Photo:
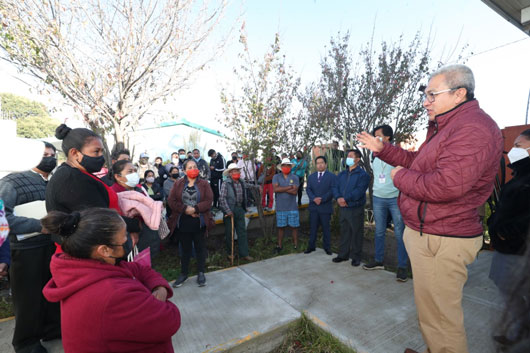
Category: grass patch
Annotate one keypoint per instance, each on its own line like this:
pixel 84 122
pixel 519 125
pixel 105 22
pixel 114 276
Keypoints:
pixel 6 306
pixel 306 337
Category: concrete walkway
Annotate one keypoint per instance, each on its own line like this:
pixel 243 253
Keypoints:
pixel 247 308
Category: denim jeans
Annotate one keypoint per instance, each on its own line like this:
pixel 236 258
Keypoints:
pixel 381 208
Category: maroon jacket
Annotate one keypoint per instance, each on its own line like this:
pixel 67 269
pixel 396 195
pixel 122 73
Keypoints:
pixel 451 174
pixel 107 308
pixel 203 206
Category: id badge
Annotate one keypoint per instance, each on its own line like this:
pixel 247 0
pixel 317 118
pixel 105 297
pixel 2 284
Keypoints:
pixel 382 178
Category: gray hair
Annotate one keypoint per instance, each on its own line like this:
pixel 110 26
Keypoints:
pixel 458 76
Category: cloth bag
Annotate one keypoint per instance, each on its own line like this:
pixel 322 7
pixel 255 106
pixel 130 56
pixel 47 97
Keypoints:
pixel 143 257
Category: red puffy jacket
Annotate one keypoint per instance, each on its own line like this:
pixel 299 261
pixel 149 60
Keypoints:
pixel 451 174
pixel 107 308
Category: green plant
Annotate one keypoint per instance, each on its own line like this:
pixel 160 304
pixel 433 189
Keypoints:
pixel 306 337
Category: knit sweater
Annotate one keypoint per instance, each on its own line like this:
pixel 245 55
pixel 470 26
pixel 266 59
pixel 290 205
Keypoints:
pixel 18 189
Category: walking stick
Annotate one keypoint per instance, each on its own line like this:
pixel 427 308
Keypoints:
pixel 232 257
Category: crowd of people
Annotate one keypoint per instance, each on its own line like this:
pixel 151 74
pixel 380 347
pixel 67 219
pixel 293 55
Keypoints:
pixel 71 232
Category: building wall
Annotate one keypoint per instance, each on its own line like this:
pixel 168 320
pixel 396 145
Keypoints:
pixel 162 141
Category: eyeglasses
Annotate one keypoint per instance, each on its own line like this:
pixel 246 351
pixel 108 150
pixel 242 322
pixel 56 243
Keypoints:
pixel 430 96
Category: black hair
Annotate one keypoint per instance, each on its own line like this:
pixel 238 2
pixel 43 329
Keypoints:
pixel 302 153
pixel 386 129
pixel 323 158
pixel 82 231
pixel 174 153
pixel 147 172
pixel 118 167
pixel 170 169
pixel 158 158
pixel 526 133
pixel 118 153
pixel 211 152
pixel 196 149
pixel 74 138
pixel 186 163
pixel 358 153
pixel 182 150
pixel 49 145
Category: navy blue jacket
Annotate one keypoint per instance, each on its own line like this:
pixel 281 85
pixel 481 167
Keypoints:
pixel 5 253
pixel 323 189
pixel 352 187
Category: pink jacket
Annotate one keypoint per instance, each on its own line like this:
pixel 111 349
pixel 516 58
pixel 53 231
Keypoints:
pixel 132 204
pixel 452 173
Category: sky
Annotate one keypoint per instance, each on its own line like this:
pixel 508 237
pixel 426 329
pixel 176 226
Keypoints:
pixel 496 51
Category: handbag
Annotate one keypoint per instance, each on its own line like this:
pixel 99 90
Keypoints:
pixel 143 257
pixel 163 229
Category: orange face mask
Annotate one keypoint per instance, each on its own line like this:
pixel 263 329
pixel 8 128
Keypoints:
pixel 286 170
pixel 236 176
pixel 192 173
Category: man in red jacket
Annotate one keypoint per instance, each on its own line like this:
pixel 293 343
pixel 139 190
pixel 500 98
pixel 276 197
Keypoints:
pixel 441 186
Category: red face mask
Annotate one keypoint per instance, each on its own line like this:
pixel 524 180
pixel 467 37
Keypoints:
pixel 286 170
pixel 192 173
pixel 236 176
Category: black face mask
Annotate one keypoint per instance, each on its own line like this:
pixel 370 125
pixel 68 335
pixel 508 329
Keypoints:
pixel 175 175
pixel 127 248
pixel 92 164
pixel 234 158
pixel 47 164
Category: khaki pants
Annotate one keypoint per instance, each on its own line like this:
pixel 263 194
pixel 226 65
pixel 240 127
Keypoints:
pixel 439 272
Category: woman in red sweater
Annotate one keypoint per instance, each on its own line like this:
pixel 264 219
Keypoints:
pixel 107 305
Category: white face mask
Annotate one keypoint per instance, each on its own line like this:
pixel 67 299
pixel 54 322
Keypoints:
pixel 150 180
pixel 518 153
pixel 175 161
pixel 132 179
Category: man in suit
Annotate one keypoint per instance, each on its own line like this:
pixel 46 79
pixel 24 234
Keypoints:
pixel 320 192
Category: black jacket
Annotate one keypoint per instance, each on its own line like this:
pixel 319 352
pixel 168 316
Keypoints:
pixel 219 165
pixel 71 190
pixel 511 219
pixel 157 190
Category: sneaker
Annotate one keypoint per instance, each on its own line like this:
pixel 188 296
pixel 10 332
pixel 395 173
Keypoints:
pixel 277 249
pixel 355 263
pixel 374 265
pixel 180 281
pixel 201 280
pixel 328 252
pixel 402 274
pixel 309 250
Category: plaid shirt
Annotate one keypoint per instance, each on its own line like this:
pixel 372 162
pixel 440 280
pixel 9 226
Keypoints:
pixel 224 192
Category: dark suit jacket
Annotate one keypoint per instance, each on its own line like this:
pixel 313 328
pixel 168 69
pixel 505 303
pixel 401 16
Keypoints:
pixel 323 189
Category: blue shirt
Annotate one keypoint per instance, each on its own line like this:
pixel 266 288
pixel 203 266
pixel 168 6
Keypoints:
pixel 383 184
pixel 284 200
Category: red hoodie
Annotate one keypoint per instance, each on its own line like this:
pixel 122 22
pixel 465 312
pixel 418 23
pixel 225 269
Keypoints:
pixel 107 308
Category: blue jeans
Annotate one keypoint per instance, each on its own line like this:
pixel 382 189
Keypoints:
pixel 381 208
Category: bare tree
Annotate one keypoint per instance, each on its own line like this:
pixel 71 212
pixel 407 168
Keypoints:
pixel 253 114
pixel 111 59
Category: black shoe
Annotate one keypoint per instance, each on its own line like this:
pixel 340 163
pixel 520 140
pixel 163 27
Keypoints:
pixel 309 251
pixel 374 265
pixel 355 263
pixel 201 280
pixel 401 274
pixel 180 281
pixel 328 251
pixel 339 259
pixel 38 348
pixel 277 250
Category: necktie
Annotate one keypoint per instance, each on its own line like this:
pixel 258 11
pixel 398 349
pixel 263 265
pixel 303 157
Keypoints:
pixel 319 176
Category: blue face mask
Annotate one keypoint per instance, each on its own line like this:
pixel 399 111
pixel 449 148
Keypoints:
pixel 350 162
pixel 196 159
